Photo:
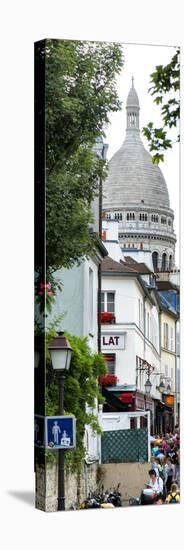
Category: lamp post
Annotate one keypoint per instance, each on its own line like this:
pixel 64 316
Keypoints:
pixel 61 352
pixel 148 386
pixel 161 387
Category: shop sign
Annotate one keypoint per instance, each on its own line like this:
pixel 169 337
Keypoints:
pixel 139 402
pixel 113 341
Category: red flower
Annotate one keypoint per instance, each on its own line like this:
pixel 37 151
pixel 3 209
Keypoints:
pixel 108 380
pixel 107 317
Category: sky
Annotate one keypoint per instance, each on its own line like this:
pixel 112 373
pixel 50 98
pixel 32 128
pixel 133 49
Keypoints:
pixel 140 61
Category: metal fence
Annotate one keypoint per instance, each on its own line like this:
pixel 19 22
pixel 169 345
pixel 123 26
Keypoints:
pixel 124 446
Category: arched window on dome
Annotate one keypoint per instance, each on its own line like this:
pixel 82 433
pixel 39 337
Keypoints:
pixel 130 216
pixel 164 261
pixel 154 218
pixel 118 216
pixel 155 261
pixel 170 262
pixel 143 217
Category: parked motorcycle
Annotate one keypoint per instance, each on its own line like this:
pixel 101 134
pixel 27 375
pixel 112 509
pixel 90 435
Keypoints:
pixel 147 497
pixel 108 499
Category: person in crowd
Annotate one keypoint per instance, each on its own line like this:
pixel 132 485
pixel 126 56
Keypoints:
pixel 165 445
pixel 177 466
pixel 173 495
pixel 160 454
pixel 155 449
pixel 172 453
pixel 156 465
pixel 155 483
pixel 169 473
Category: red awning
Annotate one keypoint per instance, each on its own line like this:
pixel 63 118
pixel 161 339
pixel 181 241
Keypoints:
pixel 127 397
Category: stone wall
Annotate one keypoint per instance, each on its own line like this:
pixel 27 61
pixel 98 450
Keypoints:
pixel 131 476
pixel 76 487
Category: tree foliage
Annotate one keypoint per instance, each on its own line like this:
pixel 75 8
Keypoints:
pixel 80 91
pixel 81 392
pixel 165 82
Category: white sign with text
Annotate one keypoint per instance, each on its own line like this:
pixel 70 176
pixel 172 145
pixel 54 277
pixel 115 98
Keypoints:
pixel 113 341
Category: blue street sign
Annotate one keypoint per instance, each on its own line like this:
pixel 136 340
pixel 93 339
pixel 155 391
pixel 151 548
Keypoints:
pixel 60 432
pixel 39 430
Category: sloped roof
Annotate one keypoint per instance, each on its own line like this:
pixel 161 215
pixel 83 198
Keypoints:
pixel 110 265
pixel 139 267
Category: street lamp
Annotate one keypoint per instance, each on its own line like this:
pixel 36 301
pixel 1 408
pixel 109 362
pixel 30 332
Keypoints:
pixel 61 352
pixel 161 387
pixel 148 386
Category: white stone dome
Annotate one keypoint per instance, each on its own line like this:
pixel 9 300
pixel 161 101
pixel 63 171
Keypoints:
pixel 133 179
pixel 135 193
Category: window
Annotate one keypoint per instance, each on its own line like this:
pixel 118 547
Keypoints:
pixel 111 362
pixel 172 339
pixel 163 220
pixel 148 331
pixel 118 216
pixel 143 217
pixel 154 218
pixel 170 262
pixel 164 261
pixel 166 336
pixel 108 302
pixel 166 370
pixel 172 379
pixel 139 313
pixel 169 222
pixel 130 216
pixel 155 260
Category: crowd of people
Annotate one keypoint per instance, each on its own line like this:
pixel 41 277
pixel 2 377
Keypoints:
pixel 164 475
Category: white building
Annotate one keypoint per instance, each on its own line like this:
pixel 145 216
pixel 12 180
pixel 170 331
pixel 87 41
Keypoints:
pixel 131 339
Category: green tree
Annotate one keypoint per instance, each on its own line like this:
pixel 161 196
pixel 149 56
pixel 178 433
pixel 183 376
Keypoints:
pixel 81 389
pixel 165 82
pixel 80 92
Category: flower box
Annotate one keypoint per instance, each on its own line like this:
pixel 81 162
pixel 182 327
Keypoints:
pixel 108 380
pixel 107 317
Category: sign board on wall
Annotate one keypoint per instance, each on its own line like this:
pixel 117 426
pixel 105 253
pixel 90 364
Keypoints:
pixel 113 341
pixel 55 432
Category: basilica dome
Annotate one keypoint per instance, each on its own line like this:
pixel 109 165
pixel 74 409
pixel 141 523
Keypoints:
pixel 135 194
pixel 133 179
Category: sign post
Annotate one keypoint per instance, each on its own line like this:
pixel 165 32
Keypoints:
pixel 60 432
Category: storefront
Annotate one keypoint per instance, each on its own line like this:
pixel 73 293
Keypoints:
pixel 164 415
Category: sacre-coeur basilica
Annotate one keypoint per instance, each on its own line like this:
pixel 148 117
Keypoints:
pixel 135 194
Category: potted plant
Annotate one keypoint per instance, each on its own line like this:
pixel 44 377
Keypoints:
pixel 107 317
pixel 108 380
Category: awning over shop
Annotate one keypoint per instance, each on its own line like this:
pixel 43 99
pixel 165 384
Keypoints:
pixel 127 397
